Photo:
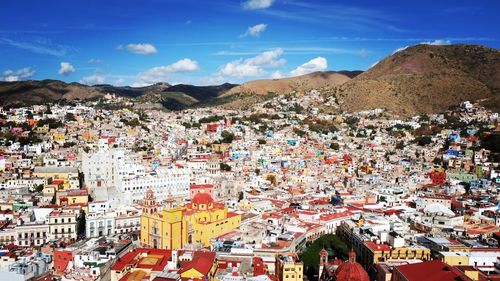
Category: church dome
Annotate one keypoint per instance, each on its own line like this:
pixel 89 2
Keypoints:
pixel 351 270
pixel 202 198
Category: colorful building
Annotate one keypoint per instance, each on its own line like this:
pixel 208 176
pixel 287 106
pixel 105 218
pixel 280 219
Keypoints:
pixel 202 266
pixel 195 223
pixel 139 263
pixel 289 267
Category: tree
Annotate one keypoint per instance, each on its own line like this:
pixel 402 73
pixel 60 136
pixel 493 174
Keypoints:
pixel 437 161
pixel 262 141
pixel 227 136
pixel 240 196
pixel 352 120
pixel 400 145
pixel 311 273
pixel 424 118
pixel 333 243
pixel 334 146
pixel 297 108
pixel 225 167
pixel 70 117
pixel 423 140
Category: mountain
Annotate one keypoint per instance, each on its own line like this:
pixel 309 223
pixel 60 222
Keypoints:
pixel 300 84
pixel 172 97
pixel 201 93
pixel 36 92
pixel 425 79
pixel 127 91
pixel 419 79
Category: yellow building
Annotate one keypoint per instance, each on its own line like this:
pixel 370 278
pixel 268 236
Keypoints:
pixel 202 266
pixel 42 130
pixel 76 197
pixel 196 222
pixel 454 258
pixel 289 267
pixel 56 173
pixel 58 137
pixel 220 147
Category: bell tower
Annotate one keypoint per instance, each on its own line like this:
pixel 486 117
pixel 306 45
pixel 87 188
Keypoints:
pixel 323 261
pixel 149 205
pixel 169 202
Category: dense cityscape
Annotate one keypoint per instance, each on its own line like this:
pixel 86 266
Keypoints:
pixel 250 140
pixel 105 191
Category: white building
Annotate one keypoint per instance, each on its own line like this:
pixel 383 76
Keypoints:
pixel 63 224
pixel 100 224
pixel 114 168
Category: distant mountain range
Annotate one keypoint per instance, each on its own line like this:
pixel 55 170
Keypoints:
pixel 418 79
pixel 35 92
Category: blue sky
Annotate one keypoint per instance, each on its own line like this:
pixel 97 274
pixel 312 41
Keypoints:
pixel 210 42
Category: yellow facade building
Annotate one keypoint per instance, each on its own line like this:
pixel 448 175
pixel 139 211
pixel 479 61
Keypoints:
pixel 289 267
pixel 194 223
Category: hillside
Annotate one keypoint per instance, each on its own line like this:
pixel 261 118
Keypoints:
pixel 172 97
pixel 418 79
pixel 201 93
pixel 36 92
pixel 299 84
pixel 127 91
pixel 425 79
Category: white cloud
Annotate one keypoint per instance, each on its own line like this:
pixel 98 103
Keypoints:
pixel 257 4
pixel 437 42
pixel 254 66
pixel 255 30
pixel 140 49
pixel 316 64
pixel 66 68
pixel 183 65
pixel 276 75
pixel 92 80
pixel 96 61
pixel 400 49
pixel 162 73
pixel 20 74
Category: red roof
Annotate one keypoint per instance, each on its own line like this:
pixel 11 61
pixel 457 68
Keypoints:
pixel 202 198
pixel 377 247
pixel 134 258
pixel 430 271
pixel 202 262
pixel 201 186
pixel 327 217
pixel 351 270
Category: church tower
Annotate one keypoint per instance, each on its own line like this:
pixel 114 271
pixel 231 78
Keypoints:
pixel 149 205
pixel 169 202
pixel 323 261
